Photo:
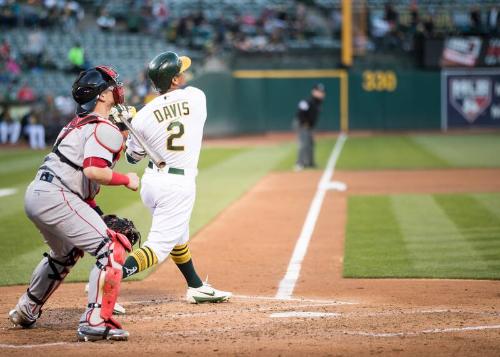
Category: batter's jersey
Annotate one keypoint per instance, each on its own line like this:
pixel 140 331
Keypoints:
pixel 172 124
pixel 77 145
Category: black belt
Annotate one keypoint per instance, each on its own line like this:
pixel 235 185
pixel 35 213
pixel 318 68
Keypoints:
pixel 171 170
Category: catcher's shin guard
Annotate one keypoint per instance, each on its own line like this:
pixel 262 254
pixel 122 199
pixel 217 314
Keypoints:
pixel 46 278
pixel 105 278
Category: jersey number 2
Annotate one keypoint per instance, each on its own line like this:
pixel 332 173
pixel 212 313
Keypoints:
pixel 175 135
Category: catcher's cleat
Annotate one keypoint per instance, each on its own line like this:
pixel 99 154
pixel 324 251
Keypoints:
pixel 206 293
pixel 86 333
pixel 20 319
pixel 117 310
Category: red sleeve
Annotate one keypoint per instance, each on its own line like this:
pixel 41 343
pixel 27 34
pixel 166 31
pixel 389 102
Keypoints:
pixel 95 162
pixel 91 203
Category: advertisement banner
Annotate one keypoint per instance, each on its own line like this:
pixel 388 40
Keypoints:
pixel 461 51
pixel 492 53
pixel 470 98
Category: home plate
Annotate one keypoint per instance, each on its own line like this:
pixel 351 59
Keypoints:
pixel 335 185
pixel 307 314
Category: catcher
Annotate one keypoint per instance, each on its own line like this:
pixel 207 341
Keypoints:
pixel 60 202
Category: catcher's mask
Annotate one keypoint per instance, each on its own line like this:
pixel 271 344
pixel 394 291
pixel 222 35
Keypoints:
pixel 91 83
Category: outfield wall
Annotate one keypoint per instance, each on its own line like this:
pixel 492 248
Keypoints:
pixel 261 101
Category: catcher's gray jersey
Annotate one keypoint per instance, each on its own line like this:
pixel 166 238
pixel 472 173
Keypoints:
pixel 102 140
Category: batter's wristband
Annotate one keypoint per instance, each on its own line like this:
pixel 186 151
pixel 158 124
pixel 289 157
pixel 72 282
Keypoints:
pixel 118 179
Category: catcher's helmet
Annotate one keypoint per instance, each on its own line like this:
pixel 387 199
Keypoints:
pixel 166 66
pixel 91 83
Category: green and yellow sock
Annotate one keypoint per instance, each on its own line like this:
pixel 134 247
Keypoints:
pixel 182 258
pixel 140 259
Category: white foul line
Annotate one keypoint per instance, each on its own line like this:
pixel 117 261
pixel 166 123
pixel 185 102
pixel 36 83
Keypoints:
pixel 287 285
pixel 7 191
pixel 303 314
pixel 38 345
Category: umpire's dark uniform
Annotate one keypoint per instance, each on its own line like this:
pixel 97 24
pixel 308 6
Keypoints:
pixel 307 116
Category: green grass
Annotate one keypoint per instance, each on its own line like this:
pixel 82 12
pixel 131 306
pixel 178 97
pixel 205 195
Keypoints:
pixel 225 175
pixel 420 152
pixel 322 153
pixel 423 236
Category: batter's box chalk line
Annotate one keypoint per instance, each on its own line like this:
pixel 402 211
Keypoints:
pixel 423 332
pixel 273 298
pixel 313 314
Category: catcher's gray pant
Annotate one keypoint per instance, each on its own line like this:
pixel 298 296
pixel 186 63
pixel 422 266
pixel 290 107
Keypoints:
pixel 306 147
pixel 70 227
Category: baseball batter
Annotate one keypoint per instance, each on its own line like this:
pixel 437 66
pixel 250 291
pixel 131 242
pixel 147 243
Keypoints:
pixel 60 203
pixel 172 125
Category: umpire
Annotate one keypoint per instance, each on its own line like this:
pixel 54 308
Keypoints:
pixel 306 119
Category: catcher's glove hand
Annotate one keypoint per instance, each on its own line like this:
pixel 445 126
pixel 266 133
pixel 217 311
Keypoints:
pixel 123 226
pixel 119 113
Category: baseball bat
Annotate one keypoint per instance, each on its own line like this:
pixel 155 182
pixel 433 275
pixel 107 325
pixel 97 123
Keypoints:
pixel 157 160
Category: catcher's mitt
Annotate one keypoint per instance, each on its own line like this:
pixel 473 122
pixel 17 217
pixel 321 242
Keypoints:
pixel 124 226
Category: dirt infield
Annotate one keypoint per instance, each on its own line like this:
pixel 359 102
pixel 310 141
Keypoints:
pixel 247 250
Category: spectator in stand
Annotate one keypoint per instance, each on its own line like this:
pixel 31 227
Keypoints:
pixel 66 106
pixel 391 16
pixel 13 68
pixel 10 129
pixel 76 58
pixel 35 129
pixel 5 49
pixel 160 15
pixel 51 118
pixel 73 13
pixel 35 49
pixel 476 26
pixel 26 93
pixel 241 42
pixel 106 22
pixel 493 20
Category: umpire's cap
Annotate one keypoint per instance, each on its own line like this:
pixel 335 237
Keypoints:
pixel 320 87
pixel 91 83
pixel 166 66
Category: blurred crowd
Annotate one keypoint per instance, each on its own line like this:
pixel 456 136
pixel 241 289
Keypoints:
pixel 36 122
pixel 37 119
pixel 44 13
pixel 277 27
pixel 389 29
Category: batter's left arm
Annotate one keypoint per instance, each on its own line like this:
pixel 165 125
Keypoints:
pixel 134 151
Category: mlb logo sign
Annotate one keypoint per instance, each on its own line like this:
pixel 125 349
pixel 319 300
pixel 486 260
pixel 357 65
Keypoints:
pixel 470 96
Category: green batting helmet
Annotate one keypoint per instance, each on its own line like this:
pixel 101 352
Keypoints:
pixel 166 66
